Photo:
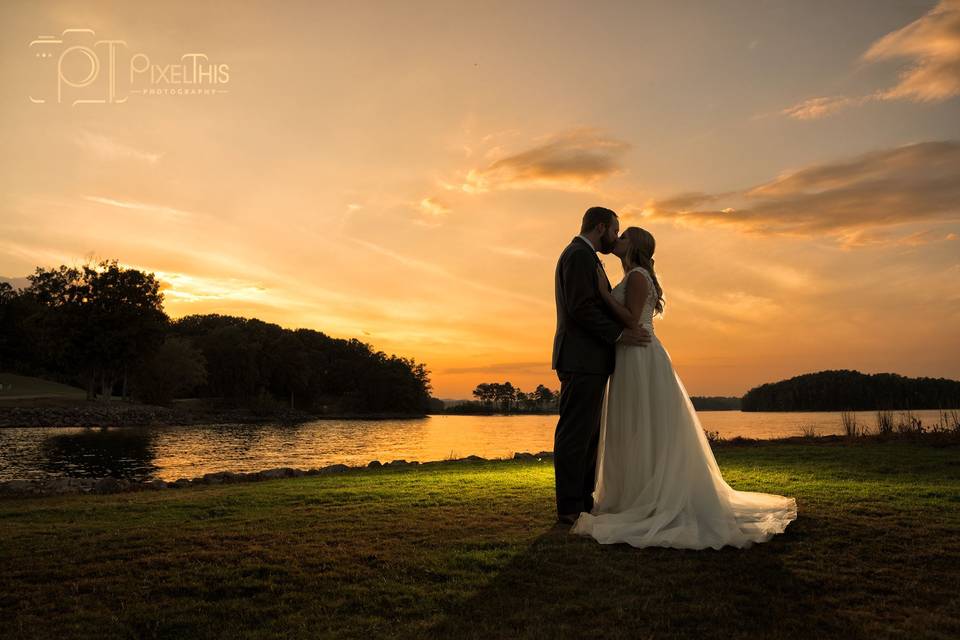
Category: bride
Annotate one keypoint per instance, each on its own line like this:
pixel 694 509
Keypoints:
pixel 658 483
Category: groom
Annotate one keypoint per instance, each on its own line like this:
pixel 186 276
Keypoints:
pixel 583 356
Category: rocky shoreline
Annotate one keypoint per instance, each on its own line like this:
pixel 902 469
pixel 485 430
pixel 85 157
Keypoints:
pixel 61 486
pixel 126 415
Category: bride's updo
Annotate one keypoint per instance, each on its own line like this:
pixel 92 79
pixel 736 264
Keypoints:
pixel 640 254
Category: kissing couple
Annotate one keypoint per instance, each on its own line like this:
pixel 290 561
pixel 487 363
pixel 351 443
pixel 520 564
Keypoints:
pixel 631 461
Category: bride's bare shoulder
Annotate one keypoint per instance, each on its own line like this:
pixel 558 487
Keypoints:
pixel 638 273
pixel 638 280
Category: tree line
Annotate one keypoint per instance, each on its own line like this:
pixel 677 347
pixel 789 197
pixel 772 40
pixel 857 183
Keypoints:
pixel 846 390
pixel 102 327
pixel 504 397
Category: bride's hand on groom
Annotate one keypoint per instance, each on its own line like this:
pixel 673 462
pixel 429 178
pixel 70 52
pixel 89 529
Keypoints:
pixel 635 337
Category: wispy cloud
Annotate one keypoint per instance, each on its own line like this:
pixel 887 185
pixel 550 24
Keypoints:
pixel 438 271
pixel 884 237
pixel 820 107
pixel 856 202
pixel 931 44
pixel 188 288
pixel 572 160
pixel 503 368
pixel 517 252
pixel 432 211
pixel 32 253
pixel 139 206
pixel 108 148
pixel 734 306
pixel 434 207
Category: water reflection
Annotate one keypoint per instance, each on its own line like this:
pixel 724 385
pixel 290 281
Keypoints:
pixel 142 453
pixel 192 451
pixel 96 453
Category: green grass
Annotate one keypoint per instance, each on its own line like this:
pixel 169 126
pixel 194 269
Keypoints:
pixel 16 387
pixel 471 550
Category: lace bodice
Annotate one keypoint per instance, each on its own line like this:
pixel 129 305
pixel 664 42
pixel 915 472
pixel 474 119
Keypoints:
pixel 620 293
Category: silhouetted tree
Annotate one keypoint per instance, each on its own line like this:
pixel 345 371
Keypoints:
pixel 506 398
pixel 177 366
pixel 100 320
pixel 544 396
pixel 290 367
pixel 21 323
pixel 484 392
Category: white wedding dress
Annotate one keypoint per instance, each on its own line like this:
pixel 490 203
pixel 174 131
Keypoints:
pixel 658 483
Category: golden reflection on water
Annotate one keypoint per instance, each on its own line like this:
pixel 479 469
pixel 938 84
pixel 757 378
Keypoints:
pixel 169 453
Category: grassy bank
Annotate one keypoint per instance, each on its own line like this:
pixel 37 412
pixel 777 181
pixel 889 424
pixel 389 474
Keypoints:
pixel 471 550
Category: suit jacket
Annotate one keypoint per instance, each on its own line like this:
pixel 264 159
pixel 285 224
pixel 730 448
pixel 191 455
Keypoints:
pixel 586 329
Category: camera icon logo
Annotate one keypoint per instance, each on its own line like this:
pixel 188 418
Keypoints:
pixel 76 68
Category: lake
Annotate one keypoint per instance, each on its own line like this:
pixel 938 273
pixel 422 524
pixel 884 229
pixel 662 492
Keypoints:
pixel 169 453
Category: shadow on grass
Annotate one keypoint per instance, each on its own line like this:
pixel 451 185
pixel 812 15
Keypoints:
pixel 568 586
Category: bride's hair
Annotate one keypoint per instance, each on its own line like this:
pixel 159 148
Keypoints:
pixel 640 254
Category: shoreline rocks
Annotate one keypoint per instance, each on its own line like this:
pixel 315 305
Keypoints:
pixel 122 414
pixel 109 484
pixel 106 415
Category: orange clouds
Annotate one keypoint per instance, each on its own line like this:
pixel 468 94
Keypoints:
pixel 432 212
pixel 820 107
pixel 931 44
pixel 434 207
pixel 574 160
pixel 853 201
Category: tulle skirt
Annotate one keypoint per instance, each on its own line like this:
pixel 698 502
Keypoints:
pixel 658 483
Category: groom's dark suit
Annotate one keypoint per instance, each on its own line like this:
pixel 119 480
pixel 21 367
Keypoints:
pixel 583 356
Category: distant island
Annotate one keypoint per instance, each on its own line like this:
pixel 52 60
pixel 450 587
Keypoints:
pixel 504 398
pixel 846 390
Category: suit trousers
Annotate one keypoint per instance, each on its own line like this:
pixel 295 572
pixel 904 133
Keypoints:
pixel 577 438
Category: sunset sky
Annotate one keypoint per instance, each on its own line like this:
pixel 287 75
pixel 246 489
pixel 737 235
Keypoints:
pixel 408 172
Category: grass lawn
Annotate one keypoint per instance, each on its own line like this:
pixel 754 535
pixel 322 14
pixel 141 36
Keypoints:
pixel 16 388
pixel 471 550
